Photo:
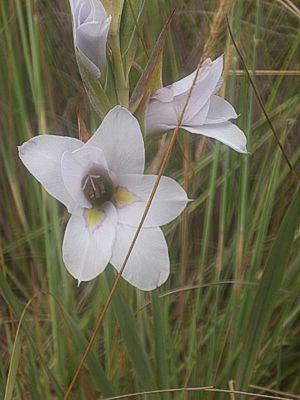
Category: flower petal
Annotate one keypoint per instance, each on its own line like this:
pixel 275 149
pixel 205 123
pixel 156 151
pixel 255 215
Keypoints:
pixel 91 39
pixel 148 266
pixel 87 11
pixel 82 11
pixel 162 113
pixel 160 116
pixel 98 10
pixel 204 88
pixel 219 85
pixel 94 70
pixel 164 94
pixel 219 111
pixel 120 138
pixel 226 132
pixel 90 27
pixel 183 85
pixel 169 201
pixel 207 71
pixel 88 242
pixel 42 155
pixel 76 166
pixel 199 118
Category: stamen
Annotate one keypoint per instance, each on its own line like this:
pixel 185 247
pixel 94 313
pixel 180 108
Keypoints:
pixel 95 194
pixel 98 189
pixel 102 188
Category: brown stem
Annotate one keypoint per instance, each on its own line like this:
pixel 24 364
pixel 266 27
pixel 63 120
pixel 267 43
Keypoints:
pixel 184 228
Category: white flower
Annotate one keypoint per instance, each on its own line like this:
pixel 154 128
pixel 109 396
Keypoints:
pixel 206 114
pixel 102 183
pixel 91 25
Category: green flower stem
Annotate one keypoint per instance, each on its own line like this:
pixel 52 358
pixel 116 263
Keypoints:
pixel 121 82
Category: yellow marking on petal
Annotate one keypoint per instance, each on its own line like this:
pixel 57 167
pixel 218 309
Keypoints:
pixel 123 197
pixel 93 218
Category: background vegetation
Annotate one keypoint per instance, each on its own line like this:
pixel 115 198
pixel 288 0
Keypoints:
pixel 228 316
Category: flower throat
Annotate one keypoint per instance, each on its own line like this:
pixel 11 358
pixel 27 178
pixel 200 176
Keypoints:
pixel 98 190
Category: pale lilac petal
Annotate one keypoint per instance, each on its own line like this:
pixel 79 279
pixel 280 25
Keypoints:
pixel 226 132
pixel 169 201
pixel 148 266
pixel 87 11
pixel 163 111
pixel 202 91
pixel 88 242
pixel 219 85
pixel 183 85
pixel 160 117
pixel 91 39
pixel 219 111
pixel 42 157
pixel 82 12
pixel 76 166
pixel 120 138
pixel 91 27
pixel 199 118
pixel 94 70
pixel 98 11
pixel 165 95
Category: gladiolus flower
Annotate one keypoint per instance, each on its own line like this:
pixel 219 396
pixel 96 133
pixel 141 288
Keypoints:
pixel 90 25
pixel 207 114
pixel 103 186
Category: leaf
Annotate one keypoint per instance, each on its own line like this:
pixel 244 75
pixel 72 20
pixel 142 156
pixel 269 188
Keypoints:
pixel 148 82
pixel 94 90
pixel 267 293
pixel 159 333
pixel 95 368
pixel 114 8
pixel 128 23
pixel 13 303
pixel 14 361
pixel 136 351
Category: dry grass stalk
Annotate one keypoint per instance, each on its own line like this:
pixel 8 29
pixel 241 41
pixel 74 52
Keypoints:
pixel 216 30
pixel 217 27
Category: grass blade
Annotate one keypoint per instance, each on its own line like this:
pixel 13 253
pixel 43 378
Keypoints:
pixel 146 80
pixel 14 360
pixel 136 351
pixel 268 291
pixel 260 101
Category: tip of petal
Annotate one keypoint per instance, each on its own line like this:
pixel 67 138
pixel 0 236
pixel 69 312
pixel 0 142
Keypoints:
pixel 88 64
pixel 242 150
pixel 162 278
pixel 220 58
pixel 117 109
pixel 24 146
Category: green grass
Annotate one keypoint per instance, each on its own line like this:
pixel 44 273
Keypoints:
pixel 241 317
